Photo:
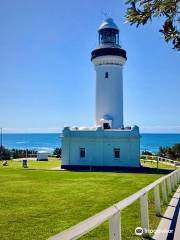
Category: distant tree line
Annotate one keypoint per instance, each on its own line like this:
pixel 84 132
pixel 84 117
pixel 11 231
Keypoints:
pixel 170 152
pixel 167 152
pixel 7 154
pixel 145 152
pixel 22 153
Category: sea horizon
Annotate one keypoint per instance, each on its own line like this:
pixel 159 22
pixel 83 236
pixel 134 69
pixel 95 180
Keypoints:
pixel 49 141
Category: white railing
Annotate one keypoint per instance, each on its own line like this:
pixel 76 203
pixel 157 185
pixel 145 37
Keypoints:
pixel 156 158
pixel 113 213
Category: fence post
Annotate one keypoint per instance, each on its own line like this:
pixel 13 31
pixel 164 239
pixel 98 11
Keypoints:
pixel 144 214
pixel 175 178
pixel 178 173
pixel 115 227
pixel 164 191
pixel 169 185
pixel 172 182
pixel 157 200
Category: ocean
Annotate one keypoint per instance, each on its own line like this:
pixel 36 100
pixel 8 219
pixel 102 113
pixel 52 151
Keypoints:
pixel 49 141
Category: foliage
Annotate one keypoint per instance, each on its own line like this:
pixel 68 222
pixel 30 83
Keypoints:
pixel 146 153
pixel 176 150
pixel 170 152
pixel 5 154
pixel 140 12
pixel 57 152
pixel 22 153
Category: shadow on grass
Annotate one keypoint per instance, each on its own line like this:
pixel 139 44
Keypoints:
pixel 116 169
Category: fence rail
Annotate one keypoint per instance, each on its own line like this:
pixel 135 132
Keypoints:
pixel 113 214
pixel 160 159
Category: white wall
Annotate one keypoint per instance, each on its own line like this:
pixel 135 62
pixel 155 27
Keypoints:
pixel 100 148
pixel 42 156
pixel 109 94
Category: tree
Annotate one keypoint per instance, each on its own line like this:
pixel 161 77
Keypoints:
pixel 22 153
pixel 5 154
pixel 162 151
pixel 57 152
pixel 170 152
pixel 145 152
pixel 176 150
pixel 140 12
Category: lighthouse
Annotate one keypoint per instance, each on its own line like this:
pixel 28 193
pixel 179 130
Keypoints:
pixel 108 59
pixel 108 145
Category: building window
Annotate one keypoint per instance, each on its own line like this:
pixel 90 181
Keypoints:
pixel 106 75
pixel 82 153
pixel 116 152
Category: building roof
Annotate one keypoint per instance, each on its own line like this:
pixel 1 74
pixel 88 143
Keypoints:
pixel 41 151
pixel 108 23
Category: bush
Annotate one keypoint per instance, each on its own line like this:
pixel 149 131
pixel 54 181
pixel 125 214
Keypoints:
pixel 21 153
pixel 57 152
pixel 146 153
pixel 170 152
pixel 5 154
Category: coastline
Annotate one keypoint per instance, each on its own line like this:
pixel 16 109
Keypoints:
pixel 49 141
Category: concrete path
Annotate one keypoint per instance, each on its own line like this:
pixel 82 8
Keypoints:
pixel 169 226
pixel 57 169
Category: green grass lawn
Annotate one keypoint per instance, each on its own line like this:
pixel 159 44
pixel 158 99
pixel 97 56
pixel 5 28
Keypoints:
pixel 51 163
pixel 37 203
pixel 154 165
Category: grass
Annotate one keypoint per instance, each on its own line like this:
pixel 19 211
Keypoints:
pixel 36 203
pixel 154 165
pixel 51 163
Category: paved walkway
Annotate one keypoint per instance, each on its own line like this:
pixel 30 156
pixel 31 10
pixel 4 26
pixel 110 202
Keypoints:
pixel 170 221
pixel 57 169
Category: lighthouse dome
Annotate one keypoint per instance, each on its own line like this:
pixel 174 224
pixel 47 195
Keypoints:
pixel 108 38
pixel 108 24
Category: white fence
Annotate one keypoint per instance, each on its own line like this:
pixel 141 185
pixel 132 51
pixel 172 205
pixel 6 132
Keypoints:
pixel 113 214
pixel 155 158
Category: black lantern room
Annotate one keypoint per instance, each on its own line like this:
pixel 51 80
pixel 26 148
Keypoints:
pixel 108 34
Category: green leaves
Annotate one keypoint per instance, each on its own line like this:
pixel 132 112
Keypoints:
pixel 139 12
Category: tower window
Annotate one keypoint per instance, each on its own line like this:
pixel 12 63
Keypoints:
pixel 82 153
pixel 106 74
pixel 116 152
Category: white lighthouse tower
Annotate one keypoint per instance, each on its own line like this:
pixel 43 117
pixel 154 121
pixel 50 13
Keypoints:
pixel 109 59
pixel 107 145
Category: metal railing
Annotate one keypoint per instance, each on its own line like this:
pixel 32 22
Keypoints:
pixel 113 214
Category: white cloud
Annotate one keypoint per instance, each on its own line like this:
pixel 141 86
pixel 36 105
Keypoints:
pixel 32 130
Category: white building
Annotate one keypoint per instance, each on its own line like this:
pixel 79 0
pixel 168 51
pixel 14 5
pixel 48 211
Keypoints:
pixel 108 144
pixel 42 156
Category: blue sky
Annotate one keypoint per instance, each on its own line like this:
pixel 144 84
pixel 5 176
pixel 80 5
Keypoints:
pixel 47 79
